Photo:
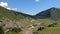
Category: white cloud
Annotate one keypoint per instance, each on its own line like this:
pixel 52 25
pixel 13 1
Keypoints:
pixel 9 8
pixel 3 4
pixel 12 8
pixel 37 0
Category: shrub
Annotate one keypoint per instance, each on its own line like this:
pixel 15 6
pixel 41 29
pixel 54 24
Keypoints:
pixel 16 30
pixel 52 25
pixel 55 23
pixel 36 32
pixel 1 30
pixel 0 21
pixel 40 28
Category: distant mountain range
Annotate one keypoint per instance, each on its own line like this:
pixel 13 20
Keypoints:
pixel 53 13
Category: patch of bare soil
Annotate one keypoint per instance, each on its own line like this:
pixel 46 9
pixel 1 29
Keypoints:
pixel 26 31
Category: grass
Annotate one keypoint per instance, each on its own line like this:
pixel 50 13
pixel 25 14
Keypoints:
pixel 25 20
pixel 50 30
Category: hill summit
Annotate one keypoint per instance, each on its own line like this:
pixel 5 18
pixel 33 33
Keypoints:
pixel 53 13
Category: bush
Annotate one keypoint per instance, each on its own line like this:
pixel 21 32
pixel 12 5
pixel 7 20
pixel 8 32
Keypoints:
pixel 36 32
pixel 16 30
pixel 55 23
pixel 40 28
pixel 52 25
pixel 0 21
pixel 1 30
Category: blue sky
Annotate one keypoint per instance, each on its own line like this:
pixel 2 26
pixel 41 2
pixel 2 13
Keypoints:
pixel 31 7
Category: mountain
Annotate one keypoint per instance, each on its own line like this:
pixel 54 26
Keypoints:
pixel 5 13
pixel 14 17
pixel 25 19
pixel 53 13
pixel 10 19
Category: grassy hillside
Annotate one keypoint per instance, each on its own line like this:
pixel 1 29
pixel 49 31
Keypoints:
pixel 45 22
pixel 13 15
pixel 53 13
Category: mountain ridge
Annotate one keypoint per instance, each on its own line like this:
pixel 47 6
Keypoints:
pixel 49 13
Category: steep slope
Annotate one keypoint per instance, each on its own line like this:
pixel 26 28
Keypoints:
pixel 53 13
pixel 13 15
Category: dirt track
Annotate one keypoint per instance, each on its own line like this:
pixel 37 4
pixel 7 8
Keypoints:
pixel 27 31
